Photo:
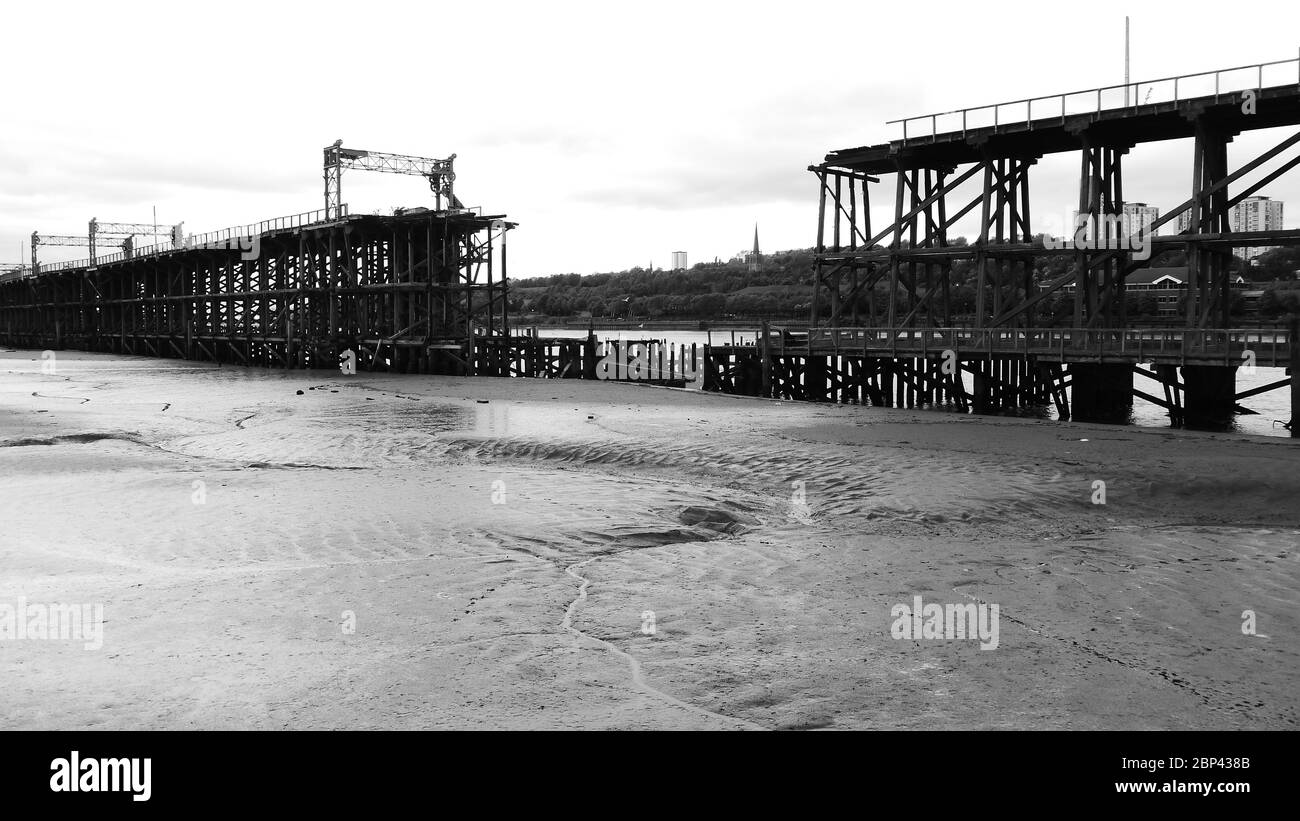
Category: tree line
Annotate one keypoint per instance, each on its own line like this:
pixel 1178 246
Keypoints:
pixel 781 288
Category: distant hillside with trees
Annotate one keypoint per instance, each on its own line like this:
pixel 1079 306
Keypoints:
pixel 781 290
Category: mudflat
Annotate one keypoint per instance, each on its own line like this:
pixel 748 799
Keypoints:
pixel 310 550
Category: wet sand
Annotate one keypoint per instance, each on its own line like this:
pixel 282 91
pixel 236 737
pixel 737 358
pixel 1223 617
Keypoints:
pixel 500 542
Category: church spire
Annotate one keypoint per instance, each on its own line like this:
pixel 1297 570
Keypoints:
pixel 755 257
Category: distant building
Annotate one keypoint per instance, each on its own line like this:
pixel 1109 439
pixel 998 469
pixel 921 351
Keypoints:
pixel 1139 217
pixel 1251 214
pixel 1255 214
pixel 1168 284
pixel 679 260
pixel 754 258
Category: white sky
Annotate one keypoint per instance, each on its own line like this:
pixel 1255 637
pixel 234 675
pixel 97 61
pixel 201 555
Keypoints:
pixel 613 132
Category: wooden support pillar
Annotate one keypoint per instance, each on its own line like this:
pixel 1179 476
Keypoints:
pixel 1210 396
pixel 1294 373
pixel 765 351
pixel 1102 392
pixel 815 378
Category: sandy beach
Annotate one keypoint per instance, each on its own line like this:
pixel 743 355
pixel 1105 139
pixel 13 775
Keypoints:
pixel 309 550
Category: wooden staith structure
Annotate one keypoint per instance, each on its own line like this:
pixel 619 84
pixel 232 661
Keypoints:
pixel 420 291
pixel 976 164
pixel 408 292
pixel 1088 374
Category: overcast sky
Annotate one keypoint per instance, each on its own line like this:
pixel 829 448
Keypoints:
pixel 613 132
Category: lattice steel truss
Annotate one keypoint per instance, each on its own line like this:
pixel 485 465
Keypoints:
pixel 439 173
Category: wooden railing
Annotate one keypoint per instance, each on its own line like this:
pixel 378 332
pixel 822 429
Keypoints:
pixel 210 239
pixel 1232 346
pixel 1223 81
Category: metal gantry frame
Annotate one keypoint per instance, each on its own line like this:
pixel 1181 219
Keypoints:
pixel 99 234
pixel 440 173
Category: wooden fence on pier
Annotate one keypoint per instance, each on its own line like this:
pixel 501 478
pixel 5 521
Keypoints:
pixel 653 361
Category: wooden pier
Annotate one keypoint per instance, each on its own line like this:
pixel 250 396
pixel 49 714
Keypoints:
pixel 650 361
pixel 1010 369
pixel 406 293
pixel 908 282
